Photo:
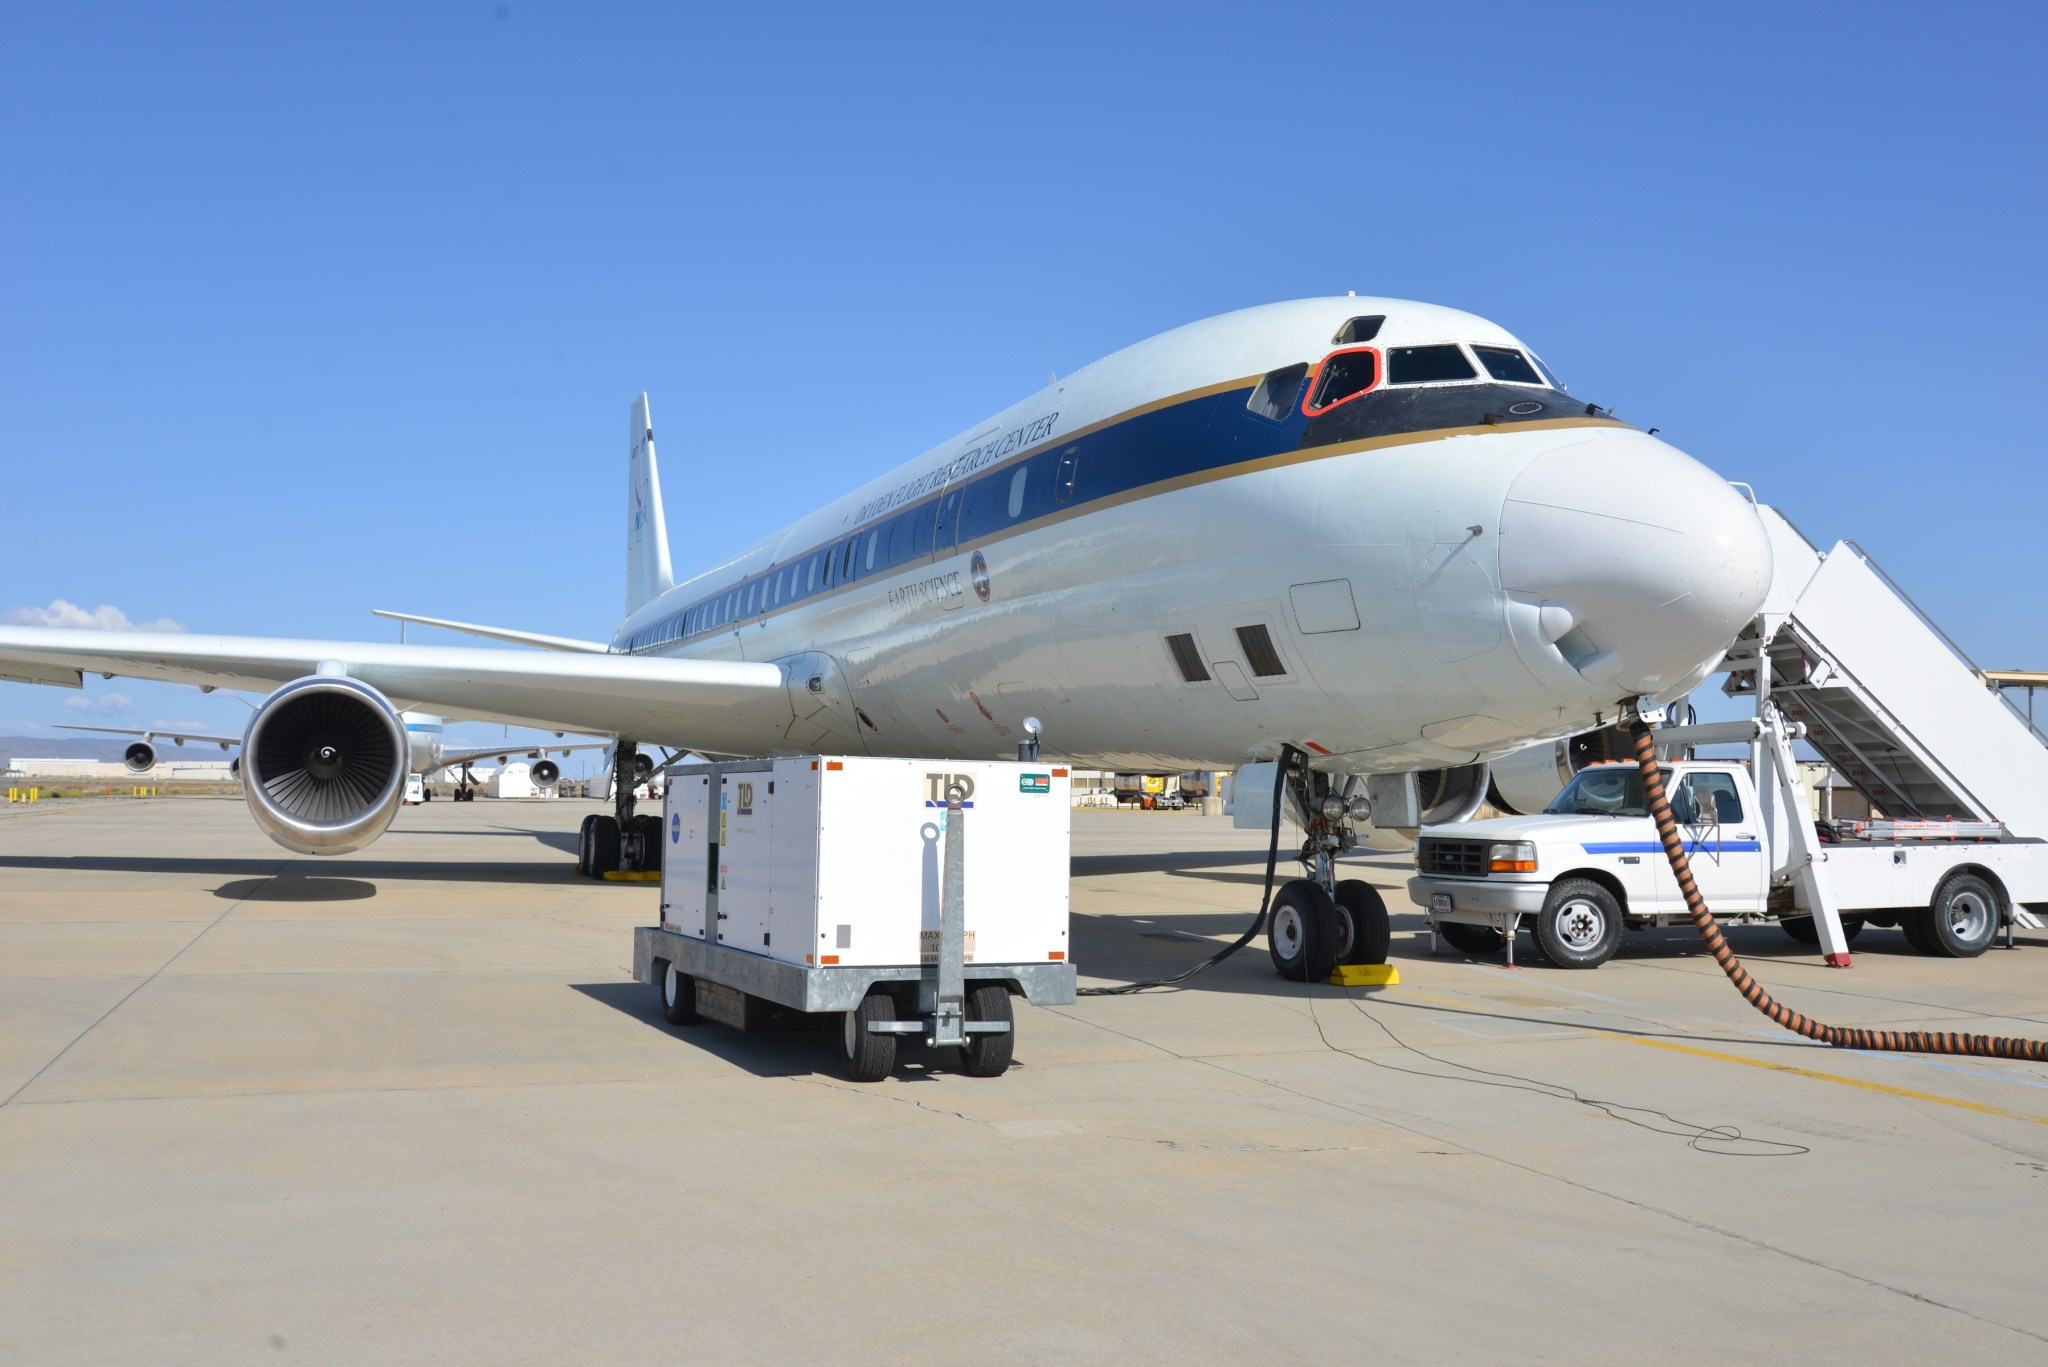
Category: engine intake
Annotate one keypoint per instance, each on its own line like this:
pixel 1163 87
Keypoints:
pixel 546 773
pixel 1526 781
pixel 140 757
pixel 326 765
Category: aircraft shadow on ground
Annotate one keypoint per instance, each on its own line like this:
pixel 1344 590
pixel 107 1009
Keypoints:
pixel 257 870
pixel 805 1051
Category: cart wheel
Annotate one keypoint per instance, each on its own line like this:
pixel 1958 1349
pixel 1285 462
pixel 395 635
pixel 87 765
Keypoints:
pixel 1301 931
pixel 988 1055
pixel 1470 939
pixel 678 996
pixel 1364 934
pixel 869 1057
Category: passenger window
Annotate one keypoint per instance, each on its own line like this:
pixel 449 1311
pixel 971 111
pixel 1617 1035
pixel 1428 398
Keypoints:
pixel 1017 489
pixel 1428 364
pixel 1344 375
pixel 874 539
pixel 1063 481
pixel 813 587
pixel 1275 395
pixel 1506 363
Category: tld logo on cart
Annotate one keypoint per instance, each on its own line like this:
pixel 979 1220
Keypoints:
pixel 1034 783
pixel 935 786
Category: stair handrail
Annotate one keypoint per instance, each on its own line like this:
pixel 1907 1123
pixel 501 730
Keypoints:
pixel 1946 639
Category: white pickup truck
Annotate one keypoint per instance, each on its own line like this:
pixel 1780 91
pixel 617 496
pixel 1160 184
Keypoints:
pixel 1591 864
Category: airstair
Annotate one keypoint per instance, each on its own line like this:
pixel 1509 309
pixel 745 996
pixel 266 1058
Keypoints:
pixel 1887 698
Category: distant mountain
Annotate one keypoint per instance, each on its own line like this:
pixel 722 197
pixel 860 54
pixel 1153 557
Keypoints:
pixel 72 745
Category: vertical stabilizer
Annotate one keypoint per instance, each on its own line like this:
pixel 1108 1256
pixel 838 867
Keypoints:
pixel 648 574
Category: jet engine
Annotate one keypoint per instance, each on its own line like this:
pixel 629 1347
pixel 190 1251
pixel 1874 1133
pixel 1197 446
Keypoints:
pixel 140 757
pixel 326 764
pixel 643 768
pixel 1451 794
pixel 1526 781
pixel 546 773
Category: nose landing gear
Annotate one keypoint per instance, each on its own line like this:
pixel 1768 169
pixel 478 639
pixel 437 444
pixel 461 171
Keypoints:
pixel 623 842
pixel 1320 921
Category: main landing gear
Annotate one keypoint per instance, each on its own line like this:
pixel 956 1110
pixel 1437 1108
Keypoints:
pixel 622 842
pixel 465 786
pixel 1320 921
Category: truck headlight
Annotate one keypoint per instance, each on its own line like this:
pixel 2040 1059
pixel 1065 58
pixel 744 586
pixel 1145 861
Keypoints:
pixel 1512 856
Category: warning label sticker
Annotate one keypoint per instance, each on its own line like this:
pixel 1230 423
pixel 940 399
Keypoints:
pixel 928 947
pixel 1034 783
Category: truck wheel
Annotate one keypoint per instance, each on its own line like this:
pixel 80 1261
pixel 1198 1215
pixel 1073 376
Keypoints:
pixel 989 1055
pixel 1963 921
pixel 1807 931
pixel 869 1057
pixel 1301 931
pixel 1918 925
pixel 1364 934
pixel 604 846
pixel 1470 939
pixel 678 995
pixel 1580 924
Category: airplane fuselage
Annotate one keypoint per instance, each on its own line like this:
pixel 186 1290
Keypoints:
pixel 1195 550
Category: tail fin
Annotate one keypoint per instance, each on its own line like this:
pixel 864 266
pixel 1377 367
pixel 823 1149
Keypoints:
pixel 648 574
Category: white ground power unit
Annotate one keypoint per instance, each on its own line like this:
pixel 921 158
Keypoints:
pixel 822 884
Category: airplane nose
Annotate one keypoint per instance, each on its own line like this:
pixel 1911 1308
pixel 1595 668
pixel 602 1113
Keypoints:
pixel 1652 562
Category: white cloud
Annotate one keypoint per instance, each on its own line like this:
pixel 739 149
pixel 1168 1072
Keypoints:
pixel 105 705
pixel 105 617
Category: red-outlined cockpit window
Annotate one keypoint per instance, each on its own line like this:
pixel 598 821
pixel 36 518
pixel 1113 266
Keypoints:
pixel 1341 377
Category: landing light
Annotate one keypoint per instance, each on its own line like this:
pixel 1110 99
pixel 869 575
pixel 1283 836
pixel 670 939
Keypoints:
pixel 1335 808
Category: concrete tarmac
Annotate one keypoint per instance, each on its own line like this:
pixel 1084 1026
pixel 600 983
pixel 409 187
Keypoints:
pixel 407 1106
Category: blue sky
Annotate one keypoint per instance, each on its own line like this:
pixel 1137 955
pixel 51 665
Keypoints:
pixel 317 308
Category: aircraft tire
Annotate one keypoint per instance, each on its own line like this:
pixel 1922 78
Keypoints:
pixel 869 1057
pixel 1364 933
pixel 604 846
pixel 989 1055
pixel 1301 931
pixel 650 842
pixel 1472 940
pixel 583 863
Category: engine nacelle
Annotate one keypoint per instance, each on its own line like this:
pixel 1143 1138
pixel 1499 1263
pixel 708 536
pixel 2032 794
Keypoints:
pixel 327 758
pixel 1526 781
pixel 643 767
pixel 546 773
pixel 1387 809
pixel 235 768
pixel 140 757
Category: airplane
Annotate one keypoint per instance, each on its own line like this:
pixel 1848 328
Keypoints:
pixel 1375 532
pixel 426 755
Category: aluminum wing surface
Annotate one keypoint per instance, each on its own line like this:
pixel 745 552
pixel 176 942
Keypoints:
pixel 158 733
pixel 730 706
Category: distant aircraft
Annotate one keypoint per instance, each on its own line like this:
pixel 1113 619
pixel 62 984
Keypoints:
pixel 1378 531
pixel 426 753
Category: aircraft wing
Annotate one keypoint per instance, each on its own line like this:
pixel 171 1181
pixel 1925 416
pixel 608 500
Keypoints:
pixel 456 758
pixel 180 737
pixel 732 706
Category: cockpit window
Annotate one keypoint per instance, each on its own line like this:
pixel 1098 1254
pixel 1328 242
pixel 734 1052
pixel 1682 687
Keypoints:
pixel 1549 376
pixel 1344 375
pixel 1275 395
pixel 1428 364
pixel 1359 330
pixel 1507 364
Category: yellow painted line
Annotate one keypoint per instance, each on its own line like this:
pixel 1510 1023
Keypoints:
pixel 1906 1092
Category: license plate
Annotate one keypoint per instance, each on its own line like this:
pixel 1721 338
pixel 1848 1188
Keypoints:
pixel 1439 901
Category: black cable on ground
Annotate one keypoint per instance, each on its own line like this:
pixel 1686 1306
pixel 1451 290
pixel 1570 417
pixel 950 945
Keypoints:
pixel 1288 755
pixel 1841 1037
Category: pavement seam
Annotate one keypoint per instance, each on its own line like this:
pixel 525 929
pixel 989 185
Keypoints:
pixel 53 1060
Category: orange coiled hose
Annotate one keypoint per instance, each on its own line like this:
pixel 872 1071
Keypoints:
pixel 1841 1037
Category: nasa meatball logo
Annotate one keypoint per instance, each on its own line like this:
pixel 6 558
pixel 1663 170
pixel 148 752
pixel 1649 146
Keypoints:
pixel 977 570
